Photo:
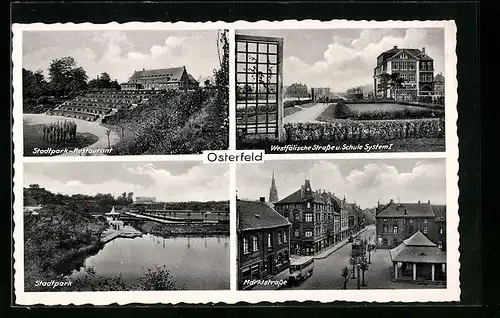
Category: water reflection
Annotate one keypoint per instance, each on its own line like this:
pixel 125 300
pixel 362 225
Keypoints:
pixel 195 262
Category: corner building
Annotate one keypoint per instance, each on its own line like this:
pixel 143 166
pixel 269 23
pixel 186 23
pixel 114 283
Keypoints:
pixel 315 217
pixel 263 241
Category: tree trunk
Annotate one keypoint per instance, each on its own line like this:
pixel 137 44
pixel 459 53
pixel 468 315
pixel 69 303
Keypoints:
pixel 353 272
pixel 345 285
pixel 358 285
pixel 363 281
pixel 369 257
pixel 109 144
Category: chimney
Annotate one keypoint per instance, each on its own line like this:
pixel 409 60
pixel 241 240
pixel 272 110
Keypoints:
pixel 143 69
pixel 391 202
pixel 418 201
pixel 395 47
pixel 423 49
pixel 262 199
pixel 429 202
pixel 302 191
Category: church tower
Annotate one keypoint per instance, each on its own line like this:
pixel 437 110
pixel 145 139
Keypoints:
pixel 273 192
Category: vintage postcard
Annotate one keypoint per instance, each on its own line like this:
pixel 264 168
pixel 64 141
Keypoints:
pixel 205 163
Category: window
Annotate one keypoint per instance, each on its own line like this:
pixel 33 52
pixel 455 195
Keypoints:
pixel 308 205
pixel 285 237
pixel 440 245
pixel 403 56
pixel 425 229
pixel 245 246
pixel 440 230
pixel 384 230
pixel 395 229
pixel 411 65
pixel 255 270
pixel 280 238
pixel 385 220
pixel 296 216
pixel 245 273
pixel 296 232
pixel 395 65
pixel 403 65
pixel 412 77
pixel 404 76
pixel 308 233
pixel 308 217
pixel 411 221
pixel 255 244
pixel 410 229
pixel 269 241
pixel 425 221
pixel 317 216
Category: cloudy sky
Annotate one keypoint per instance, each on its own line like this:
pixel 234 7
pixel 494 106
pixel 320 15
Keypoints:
pixel 167 181
pixel 119 53
pixel 361 181
pixel 345 58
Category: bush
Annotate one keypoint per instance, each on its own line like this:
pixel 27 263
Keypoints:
pixel 59 132
pixel 291 103
pixel 364 131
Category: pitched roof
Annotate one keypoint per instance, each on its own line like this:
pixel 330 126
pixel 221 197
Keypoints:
pixel 439 78
pixel 258 215
pixel 172 74
pixel 416 53
pixel 412 210
pixel 417 249
pixel 191 79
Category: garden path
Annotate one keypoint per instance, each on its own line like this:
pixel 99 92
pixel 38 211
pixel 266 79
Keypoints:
pixel 307 115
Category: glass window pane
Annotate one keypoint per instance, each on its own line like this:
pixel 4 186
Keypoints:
pixel 263 68
pixel 273 48
pixel 241 77
pixel 241 67
pixel 272 79
pixel 252 68
pixel 272 69
pixel 252 47
pixel 241 57
pixel 273 58
pixel 262 48
pixel 252 57
pixel 263 58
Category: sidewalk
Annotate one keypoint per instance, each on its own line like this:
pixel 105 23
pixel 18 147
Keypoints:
pixel 325 253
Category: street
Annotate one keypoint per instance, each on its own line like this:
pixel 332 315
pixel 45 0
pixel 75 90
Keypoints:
pixel 327 271
pixel 306 115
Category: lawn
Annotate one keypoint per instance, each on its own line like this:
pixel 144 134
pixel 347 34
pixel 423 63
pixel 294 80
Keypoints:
pixel 33 138
pixel 377 111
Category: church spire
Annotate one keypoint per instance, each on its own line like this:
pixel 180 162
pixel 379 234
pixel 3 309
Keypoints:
pixel 273 192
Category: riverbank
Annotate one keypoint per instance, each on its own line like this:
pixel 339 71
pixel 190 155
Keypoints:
pixel 167 229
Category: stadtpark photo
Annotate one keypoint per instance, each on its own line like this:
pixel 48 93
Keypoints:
pixel 124 226
pixel 123 92
pixel 340 90
pixel 342 224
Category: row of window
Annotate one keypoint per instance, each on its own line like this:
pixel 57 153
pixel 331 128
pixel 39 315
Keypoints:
pixel 395 229
pixel 426 77
pixel 404 221
pixel 251 244
pixel 426 66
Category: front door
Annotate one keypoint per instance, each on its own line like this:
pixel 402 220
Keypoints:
pixel 270 268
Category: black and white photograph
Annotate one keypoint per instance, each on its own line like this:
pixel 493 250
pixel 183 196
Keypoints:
pixel 340 90
pixel 126 226
pixel 342 224
pixel 124 92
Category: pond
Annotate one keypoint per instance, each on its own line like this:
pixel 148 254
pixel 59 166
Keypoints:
pixel 196 263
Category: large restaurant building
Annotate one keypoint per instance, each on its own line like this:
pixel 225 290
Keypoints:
pixel 174 78
pixel 263 241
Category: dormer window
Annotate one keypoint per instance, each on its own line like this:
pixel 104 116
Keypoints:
pixel 403 56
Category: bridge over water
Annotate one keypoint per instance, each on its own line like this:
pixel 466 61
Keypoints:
pixel 180 216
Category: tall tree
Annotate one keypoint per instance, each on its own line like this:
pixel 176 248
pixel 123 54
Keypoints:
pixel 66 77
pixel 297 90
pixel 34 84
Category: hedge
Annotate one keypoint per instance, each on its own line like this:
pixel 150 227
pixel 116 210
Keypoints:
pixel 362 131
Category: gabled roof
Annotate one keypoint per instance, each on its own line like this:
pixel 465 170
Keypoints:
pixel 392 53
pixel 254 215
pixel 172 74
pixel 417 249
pixel 439 78
pixel 412 210
pixel 191 79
